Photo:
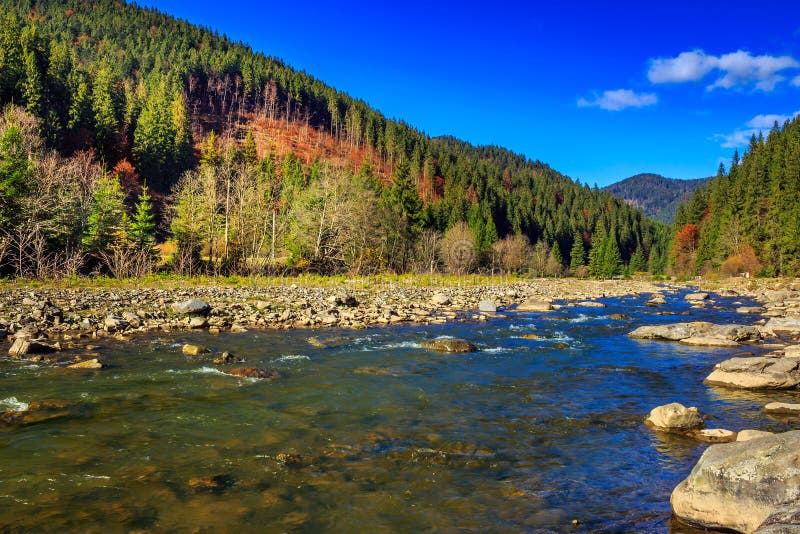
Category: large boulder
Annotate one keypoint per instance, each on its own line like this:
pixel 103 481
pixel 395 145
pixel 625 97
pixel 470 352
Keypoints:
pixel 487 306
pixel 533 305
pixel 784 521
pixel 782 325
pixel 669 332
pixel 696 296
pixel 191 307
pixel 23 347
pixel 674 417
pixel 762 372
pixel 782 408
pixel 449 344
pixel 739 485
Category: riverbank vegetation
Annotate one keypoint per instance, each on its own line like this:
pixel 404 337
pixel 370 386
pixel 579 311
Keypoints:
pixel 133 143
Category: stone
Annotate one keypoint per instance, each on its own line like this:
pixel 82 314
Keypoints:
pixel 227 357
pixel 708 341
pixel 761 372
pixel 213 484
pixel 255 372
pixel 747 435
pixel 87 364
pixel 783 408
pixel 590 304
pixel 674 417
pixel 191 307
pixel 440 299
pixel 538 306
pixel 23 347
pixel 714 435
pixel 696 296
pixel 133 319
pixel 193 350
pixel 782 325
pixel 114 323
pixel 36 412
pixel 487 306
pixel 750 309
pixel 447 344
pixel 784 521
pixel 618 317
pixel 657 300
pixel 792 351
pixel 739 485
pixel 198 322
pixel 668 332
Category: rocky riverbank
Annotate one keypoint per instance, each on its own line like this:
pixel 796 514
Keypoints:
pixel 55 324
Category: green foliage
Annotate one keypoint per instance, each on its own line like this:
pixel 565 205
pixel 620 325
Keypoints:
pixel 141 230
pixel 15 172
pixel 577 253
pixel 755 205
pixel 107 221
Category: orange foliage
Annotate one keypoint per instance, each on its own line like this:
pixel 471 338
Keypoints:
pixel 745 261
pixel 128 178
pixel 685 247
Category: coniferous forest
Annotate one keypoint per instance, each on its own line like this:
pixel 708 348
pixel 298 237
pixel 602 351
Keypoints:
pixel 747 220
pixel 132 141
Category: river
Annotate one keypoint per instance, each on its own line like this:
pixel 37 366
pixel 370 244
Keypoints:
pixel 373 433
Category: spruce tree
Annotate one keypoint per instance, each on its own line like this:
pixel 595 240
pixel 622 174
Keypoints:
pixel 141 230
pixel 107 218
pixel 577 254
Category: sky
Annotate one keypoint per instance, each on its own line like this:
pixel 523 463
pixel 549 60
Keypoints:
pixel 600 91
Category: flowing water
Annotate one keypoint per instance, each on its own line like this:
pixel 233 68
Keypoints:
pixel 372 433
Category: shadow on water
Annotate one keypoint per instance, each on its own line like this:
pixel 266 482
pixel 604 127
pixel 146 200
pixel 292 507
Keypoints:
pixel 367 431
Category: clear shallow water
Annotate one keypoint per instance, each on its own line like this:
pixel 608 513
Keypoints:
pixel 373 433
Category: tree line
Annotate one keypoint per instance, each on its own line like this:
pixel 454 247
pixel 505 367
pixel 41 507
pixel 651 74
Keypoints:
pixel 159 110
pixel 747 220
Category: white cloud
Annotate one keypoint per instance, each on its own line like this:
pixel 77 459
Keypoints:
pixel 737 69
pixel 741 136
pixel 687 67
pixel 619 99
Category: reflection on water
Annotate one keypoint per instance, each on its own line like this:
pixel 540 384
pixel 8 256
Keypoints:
pixel 366 431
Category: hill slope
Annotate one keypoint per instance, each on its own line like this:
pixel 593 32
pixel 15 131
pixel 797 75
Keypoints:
pixel 658 196
pixel 142 93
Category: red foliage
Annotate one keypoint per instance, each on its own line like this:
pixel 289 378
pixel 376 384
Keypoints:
pixel 687 238
pixel 471 195
pixel 128 178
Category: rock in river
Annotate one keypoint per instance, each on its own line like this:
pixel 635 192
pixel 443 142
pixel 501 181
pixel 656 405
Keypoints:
pixel 449 344
pixel 191 307
pixel 531 305
pixel 255 372
pixel 739 485
pixel 23 347
pixel 487 306
pixel 674 417
pixel 762 372
pixel 193 350
pixel 782 408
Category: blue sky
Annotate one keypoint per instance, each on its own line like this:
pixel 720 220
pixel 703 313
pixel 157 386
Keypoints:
pixel 598 90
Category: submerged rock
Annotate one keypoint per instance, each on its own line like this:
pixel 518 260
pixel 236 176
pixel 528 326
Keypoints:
pixel 762 372
pixel 213 484
pixel 36 412
pixel 674 417
pixel 447 344
pixel 739 485
pixel 782 408
pixel 255 372
pixel 227 357
pixel 94 363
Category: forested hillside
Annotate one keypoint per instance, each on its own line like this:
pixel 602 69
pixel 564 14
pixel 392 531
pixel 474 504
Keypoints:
pixel 748 218
pixel 659 197
pixel 130 127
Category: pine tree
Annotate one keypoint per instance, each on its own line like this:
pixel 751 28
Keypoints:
pixel 249 150
pixel 15 172
pixel 637 263
pixel 577 254
pixel 107 218
pixel 612 260
pixel 597 253
pixel 106 110
pixel 141 230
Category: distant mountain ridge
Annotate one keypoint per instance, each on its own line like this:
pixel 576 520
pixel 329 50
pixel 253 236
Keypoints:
pixel 658 196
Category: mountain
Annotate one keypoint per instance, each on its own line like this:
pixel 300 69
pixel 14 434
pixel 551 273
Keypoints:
pixel 251 164
pixel 657 196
